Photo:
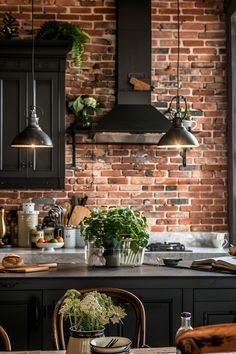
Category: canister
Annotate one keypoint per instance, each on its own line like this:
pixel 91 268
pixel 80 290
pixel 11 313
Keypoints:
pixel 48 233
pixel 79 239
pixel 35 236
pixel 26 222
pixel 69 237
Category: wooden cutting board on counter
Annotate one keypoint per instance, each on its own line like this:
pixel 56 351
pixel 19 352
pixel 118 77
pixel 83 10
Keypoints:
pixel 29 268
pixel 78 214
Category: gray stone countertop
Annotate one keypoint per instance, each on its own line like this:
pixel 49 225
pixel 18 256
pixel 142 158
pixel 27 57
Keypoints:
pixel 128 274
pixel 76 255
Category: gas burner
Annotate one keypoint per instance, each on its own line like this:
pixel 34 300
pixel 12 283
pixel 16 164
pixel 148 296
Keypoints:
pixel 166 246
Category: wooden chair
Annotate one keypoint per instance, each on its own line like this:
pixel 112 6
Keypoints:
pixel 208 339
pixel 5 339
pixel 123 298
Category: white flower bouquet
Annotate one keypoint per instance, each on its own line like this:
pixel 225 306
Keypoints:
pixel 82 107
pixel 90 312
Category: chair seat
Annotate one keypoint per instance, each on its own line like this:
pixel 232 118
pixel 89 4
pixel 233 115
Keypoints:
pixel 5 339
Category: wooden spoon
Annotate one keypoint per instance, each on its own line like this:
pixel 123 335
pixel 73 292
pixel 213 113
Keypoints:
pixel 67 213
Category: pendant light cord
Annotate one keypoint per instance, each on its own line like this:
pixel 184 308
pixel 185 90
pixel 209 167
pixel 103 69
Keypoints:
pixel 178 47
pixel 178 50
pixel 33 83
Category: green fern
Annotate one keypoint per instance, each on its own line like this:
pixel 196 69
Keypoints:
pixel 65 31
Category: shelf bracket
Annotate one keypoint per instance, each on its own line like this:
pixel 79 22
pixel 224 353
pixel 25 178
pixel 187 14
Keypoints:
pixel 184 157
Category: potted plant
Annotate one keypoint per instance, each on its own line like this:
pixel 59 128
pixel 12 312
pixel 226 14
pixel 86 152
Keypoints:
pixel 187 119
pixel 116 229
pixel 83 107
pixel 63 30
pixel 88 315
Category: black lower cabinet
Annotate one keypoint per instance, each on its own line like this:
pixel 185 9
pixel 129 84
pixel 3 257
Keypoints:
pixel 162 307
pixel 21 317
pixel 26 305
pixel 214 306
pixel 50 298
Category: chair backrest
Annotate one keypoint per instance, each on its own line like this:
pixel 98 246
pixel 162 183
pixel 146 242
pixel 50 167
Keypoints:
pixel 208 339
pixel 5 339
pixel 123 297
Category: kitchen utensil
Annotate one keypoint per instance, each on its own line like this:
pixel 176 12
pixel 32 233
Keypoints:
pixel 78 214
pixel 112 342
pixel 84 200
pixel 67 215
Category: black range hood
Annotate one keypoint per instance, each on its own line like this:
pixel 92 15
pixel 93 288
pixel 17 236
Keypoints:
pixel 133 118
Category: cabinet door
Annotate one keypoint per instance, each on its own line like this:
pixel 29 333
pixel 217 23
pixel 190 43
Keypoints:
pixel 163 308
pixel 12 103
pixel 48 161
pixel 20 315
pixel 214 306
pixel 50 298
pixel 26 168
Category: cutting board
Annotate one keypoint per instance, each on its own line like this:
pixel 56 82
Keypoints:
pixel 29 268
pixel 78 214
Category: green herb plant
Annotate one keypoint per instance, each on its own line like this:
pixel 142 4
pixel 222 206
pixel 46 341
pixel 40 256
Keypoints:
pixel 109 228
pixel 90 312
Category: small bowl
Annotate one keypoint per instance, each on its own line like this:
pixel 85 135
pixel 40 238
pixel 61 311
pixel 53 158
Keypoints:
pixel 49 246
pixel 172 262
pixel 98 345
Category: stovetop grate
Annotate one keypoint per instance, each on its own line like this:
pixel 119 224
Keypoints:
pixel 167 247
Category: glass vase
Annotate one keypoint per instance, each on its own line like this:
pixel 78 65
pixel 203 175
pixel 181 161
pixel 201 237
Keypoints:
pixel 84 121
pixel 79 341
pixel 94 255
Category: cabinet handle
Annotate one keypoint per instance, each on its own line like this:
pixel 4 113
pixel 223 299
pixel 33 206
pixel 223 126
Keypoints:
pixel 8 285
pixel 23 164
pixel 35 313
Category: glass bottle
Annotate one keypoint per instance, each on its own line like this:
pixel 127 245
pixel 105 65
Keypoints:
pixel 2 226
pixel 185 325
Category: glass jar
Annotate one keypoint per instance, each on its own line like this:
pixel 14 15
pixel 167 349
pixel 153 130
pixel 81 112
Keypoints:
pixel 94 255
pixel 185 325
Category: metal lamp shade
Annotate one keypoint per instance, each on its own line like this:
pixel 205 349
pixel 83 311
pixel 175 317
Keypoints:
pixel 178 137
pixel 32 136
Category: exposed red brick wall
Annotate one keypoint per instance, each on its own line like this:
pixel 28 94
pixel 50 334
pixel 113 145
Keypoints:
pixel 174 198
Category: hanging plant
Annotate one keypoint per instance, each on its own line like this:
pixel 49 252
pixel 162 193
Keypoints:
pixel 65 31
pixel 10 27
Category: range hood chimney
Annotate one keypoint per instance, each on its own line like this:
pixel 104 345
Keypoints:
pixel 133 118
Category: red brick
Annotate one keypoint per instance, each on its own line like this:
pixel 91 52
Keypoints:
pixel 117 176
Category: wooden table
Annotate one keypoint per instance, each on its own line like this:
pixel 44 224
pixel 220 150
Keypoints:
pixel 164 350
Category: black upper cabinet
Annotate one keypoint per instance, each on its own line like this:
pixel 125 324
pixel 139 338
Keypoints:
pixel 26 168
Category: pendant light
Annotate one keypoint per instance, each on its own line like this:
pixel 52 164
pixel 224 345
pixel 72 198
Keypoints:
pixel 178 136
pixel 32 136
